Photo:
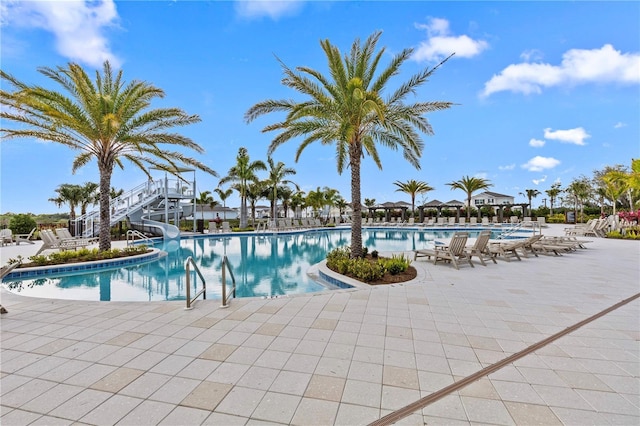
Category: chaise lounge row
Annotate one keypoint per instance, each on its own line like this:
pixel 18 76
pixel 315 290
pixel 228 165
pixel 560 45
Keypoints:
pixel 457 249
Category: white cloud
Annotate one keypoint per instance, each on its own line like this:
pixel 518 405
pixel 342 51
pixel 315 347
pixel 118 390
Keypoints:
pixel 538 164
pixel 578 66
pixel 539 181
pixel 273 9
pixel 531 55
pixel 536 143
pixel 507 167
pixel 619 124
pixel 441 44
pixel 77 26
pixel 575 136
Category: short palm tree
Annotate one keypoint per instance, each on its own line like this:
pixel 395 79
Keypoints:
pixel 242 174
pixel 413 187
pixel 224 194
pixel 346 108
pixel 90 196
pixel 315 200
pixel 277 176
pixel 530 194
pixel 470 185
pixel 205 199
pixel 106 120
pixel 68 194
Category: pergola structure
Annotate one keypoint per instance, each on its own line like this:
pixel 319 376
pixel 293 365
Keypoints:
pixel 439 205
pixel 458 205
pixel 388 207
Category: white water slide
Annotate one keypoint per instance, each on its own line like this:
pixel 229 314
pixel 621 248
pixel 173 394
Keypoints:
pixel 150 205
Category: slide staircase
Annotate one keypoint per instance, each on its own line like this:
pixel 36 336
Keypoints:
pixel 139 205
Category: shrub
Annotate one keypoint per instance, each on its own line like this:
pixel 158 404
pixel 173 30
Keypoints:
pixel 336 257
pixel 556 218
pixel 22 224
pixel 366 271
pixel 396 264
pixel 374 254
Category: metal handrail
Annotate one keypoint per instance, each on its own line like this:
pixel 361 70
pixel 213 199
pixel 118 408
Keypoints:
pixel 190 301
pixel 225 298
pixel 133 233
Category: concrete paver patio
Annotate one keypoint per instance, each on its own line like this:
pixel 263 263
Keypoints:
pixel 342 357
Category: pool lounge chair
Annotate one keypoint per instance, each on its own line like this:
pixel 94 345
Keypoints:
pixel 509 249
pixel 480 250
pixel 25 238
pixel 64 234
pixel 453 252
pixel 225 227
pixel 6 236
pixel 52 241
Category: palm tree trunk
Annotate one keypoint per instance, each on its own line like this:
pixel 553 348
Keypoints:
pixel 356 224
pixel 104 243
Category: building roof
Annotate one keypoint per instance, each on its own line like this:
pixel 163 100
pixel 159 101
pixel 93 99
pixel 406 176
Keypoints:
pixel 492 194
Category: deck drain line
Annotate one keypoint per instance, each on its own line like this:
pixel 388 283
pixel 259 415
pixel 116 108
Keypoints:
pixel 429 399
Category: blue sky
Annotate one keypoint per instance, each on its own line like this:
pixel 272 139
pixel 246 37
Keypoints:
pixel 546 91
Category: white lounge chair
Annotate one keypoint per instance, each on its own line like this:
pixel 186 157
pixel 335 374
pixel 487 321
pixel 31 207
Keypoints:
pixel 24 238
pixel 64 234
pixel 52 241
pixel 6 236
pixel 213 227
pixel 225 227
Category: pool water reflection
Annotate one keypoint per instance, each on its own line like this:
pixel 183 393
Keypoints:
pixel 263 265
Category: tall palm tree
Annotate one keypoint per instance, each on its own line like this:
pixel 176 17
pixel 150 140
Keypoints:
pixel 90 196
pixel 277 176
pixel 413 187
pixel 346 108
pixel 243 173
pixel 553 193
pixel 530 194
pixel 68 194
pixel 470 185
pixel 106 120
pixel 224 194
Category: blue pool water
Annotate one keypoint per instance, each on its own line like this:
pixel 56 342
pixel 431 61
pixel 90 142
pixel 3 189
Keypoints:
pixel 264 266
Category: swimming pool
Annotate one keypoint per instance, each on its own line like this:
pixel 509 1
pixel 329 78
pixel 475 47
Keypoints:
pixel 264 265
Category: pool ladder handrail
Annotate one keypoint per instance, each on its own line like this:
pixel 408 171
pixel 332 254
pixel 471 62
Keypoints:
pixel 134 233
pixel 225 267
pixel 203 291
